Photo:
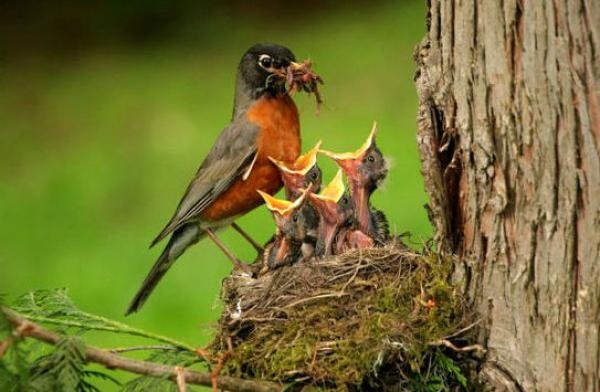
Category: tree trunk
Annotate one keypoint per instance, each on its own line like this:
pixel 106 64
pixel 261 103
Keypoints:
pixel 509 138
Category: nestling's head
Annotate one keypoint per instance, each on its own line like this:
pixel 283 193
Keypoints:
pixel 366 167
pixel 292 223
pixel 301 174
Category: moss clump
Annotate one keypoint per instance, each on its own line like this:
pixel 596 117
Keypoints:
pixel 361 320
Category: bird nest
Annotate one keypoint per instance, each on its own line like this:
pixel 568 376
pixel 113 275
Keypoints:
pixel 366 319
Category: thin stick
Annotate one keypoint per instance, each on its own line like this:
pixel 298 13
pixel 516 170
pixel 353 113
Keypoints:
pixel 358 267
pixel 321 296
pixel 4 345
pixel 228 253
pixel 450 345
pixel 251 240
pixel 142 348
pixel 113 361
pixel 465 329
pixel 181 385
pixel 214 375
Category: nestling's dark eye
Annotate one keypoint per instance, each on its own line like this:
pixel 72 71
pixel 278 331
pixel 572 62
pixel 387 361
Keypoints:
pixel 344 200
pixel 265 61
pixel 295 218
pixel 313 176
pixel 371 158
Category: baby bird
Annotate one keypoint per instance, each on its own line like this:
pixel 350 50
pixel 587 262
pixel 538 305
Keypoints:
pixel 297 177
pixel 335 209
pixel 301 173
pixel 365 170
pixel 291 230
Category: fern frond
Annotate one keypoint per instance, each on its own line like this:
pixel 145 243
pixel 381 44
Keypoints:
pixel 64 369
pixel 55 307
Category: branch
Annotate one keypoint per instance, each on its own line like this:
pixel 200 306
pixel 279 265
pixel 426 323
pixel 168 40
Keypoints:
pixel 26 328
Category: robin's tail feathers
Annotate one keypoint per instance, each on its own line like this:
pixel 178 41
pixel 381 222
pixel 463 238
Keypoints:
pixel 181 239
pixel 164 232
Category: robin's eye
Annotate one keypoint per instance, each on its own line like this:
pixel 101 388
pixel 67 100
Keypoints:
pixel 371 158
pixel 295 218
pixel 313 176
pixel 265 61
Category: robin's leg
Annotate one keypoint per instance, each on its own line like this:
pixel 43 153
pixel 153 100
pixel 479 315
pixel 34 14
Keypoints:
pixel 236 262
pixel 255 244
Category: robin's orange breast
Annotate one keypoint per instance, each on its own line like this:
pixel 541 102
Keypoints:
pixel 279 138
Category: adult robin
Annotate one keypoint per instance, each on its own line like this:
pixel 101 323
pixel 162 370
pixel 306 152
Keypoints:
pixel 365 170
pixel 336 211
pixel 301 173
pixel 264 124
pixel 286 248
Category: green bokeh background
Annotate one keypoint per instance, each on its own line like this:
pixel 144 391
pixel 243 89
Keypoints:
pixel 98 143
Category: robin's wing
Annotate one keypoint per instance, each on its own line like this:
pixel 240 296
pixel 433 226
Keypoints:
pixel 230 157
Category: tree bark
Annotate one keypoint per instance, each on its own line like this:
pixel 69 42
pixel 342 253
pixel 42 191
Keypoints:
pixel 509 138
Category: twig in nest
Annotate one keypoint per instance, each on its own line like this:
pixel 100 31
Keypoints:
pixel 204 354
pixel 358 267
pixel 463 330
pixel 214 376
pixel 451 346
pixel 303 300
pixel 113 361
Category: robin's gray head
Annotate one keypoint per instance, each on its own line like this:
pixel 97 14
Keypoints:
pixel 263 68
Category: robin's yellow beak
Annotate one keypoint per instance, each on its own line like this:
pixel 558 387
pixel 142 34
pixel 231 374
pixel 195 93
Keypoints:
pixel 294 66
pixel 290 69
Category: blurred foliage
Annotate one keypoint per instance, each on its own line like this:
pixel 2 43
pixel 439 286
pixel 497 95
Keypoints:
pixel 100 135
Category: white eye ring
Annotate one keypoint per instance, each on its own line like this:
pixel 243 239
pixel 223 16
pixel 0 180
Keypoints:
pixel 265 61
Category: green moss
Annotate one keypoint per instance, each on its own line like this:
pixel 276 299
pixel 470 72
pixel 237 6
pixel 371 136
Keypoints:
pixel 390 305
